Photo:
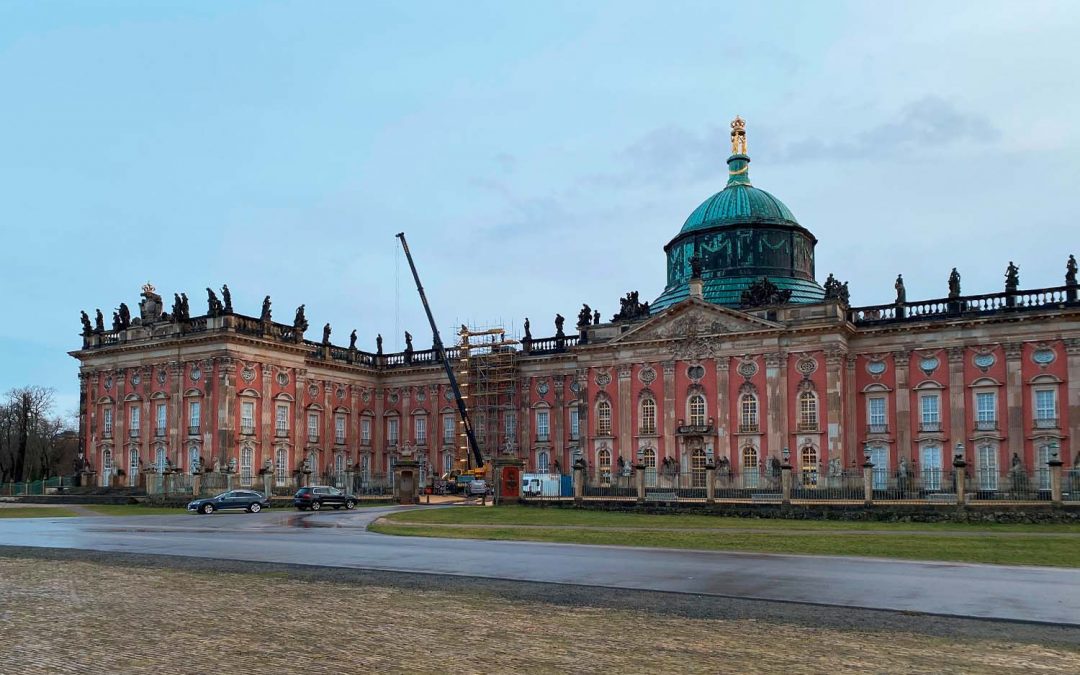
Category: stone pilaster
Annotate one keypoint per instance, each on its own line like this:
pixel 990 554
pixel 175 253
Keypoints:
pixel 775 401
pixel 177 411
pixel 378 431
pixel 1014 397
pixel 723 408
pixel 558 421
pixel 626 415
pixel 267 417
pixel 902 402
pixel 1072 391
pixel 851 442
pixel 670 418
pixel 957 396
pixel 834 402
pixel 226 418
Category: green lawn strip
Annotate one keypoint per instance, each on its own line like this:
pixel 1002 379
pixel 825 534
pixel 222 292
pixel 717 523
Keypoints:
pixel 35 512
pixel 1018 550
pixel 526 515
pixel 133 510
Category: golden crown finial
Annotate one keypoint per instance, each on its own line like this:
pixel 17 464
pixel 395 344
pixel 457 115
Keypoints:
pixel 738 136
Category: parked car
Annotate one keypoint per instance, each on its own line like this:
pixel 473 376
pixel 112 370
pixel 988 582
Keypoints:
pixel 247 500
pixel 315 497
pixel 477 487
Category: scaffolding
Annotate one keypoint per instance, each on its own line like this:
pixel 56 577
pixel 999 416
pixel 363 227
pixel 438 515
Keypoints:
pixel 487 375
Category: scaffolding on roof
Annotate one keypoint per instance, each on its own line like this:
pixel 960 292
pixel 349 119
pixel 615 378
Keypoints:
pixel 487 373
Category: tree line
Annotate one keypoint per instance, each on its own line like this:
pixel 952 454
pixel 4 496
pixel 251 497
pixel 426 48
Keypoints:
pixel 35 442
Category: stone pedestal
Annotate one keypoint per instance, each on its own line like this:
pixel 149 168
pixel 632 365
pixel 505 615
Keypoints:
pixel 196 485
pixel 1055 481
pixel 868 483
pixel 710 483
pixel 579 481
pixel 406 482
pixel 229 477
pixel 960 471
pixel 268 484
pixel 507 480
pixel 639 482
pixel 305 478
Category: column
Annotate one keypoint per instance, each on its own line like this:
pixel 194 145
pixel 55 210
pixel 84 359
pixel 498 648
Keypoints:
pixel 377 431
pixel 902 402
pixel 558 422
pixel 226 432
pixel 723 409
pixel 176 421
pixel 267 414
pixel 957 397
pixel 669 419
pixel 835 361
pixel 847 415
pixel 1072 391
pixel 1014 398
pixel 626 415
pixel 776 401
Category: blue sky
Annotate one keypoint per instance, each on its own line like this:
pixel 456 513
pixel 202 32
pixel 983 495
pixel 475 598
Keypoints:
pixel 538 155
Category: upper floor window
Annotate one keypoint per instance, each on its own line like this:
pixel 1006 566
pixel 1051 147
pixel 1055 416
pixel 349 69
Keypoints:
pixel 876 409
pixel 808 413
pixel 1046 408
pixel 313 426
pixel 575 424
pixel 748 419
pixel 697 410
pixel 194 416
pixel 420 429
pixel 339 428
pixel 134 415
pixel 365 430
pixel 648 416
pixel 106 422
pixel 603 418
pixel 281 420
pixel 159 426
pixel 510 424
pixel 930 409
pixel 985 409
pixel 448 425
pixel 392 429
pixel 542 427
pixel 247 417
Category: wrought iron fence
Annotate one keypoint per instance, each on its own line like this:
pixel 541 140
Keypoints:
pixel 610 483
pixel 1070 485
pixel 375 485
pixel 37 487
pixel 1014 485
pixel 843 485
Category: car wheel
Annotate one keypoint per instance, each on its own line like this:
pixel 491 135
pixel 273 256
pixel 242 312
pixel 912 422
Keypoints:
pixel 255 508
pixel 349 504
pixel 315 506
pixel 206 508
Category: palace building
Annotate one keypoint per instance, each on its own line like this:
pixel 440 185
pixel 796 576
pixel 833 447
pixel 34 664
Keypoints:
pixel 743 358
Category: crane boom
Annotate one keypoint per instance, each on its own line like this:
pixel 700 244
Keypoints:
pixel 440 354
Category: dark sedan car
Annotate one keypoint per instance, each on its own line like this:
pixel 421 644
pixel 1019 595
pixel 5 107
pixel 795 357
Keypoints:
pixel 317 496
pixel 246 500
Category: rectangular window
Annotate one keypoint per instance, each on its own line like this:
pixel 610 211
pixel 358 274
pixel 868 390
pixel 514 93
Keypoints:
pixel 159 428
pixel 194 416
pixel 575 424
pixel 313 426
pixel 365 430
pixel 987 467
pixel 448 429
pixel 985 410
pixel 339 429
pixel 542 428
pixel 281 466
pixel 930 405
pixel 134 414
pixel 106 422
pixel 510 425
pixel 877 413
pixel 281 420
pixel 392 431
pixel 603 418
pixel 420 429
pixel 1045 404
pixel 247 417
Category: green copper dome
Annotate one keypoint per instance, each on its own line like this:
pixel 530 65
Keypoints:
pixel 738 203
pixel 739 236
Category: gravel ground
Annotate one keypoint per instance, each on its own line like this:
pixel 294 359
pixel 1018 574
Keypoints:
pixel 84 611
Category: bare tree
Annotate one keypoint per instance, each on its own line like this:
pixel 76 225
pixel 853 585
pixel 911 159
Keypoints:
pixel 32 440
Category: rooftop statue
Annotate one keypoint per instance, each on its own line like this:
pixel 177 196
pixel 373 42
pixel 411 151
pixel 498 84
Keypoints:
pixel 763 293
pixel 125 316
pixel 227 297
pixel 584 317
pixel 559 320
pixel 300 321
pixel 596 317
pixel 184 306
pixel 954 284
pixel 631 308
pixel 87 329
pixel 378 343
pixel 408 341
pixel 901 293
pixel 528 333
pixel 99 322
pixel 1012 277
pixel 177 308
pixel 696 265
pixel 352 339
pixel 213 305
pixel 326 334
pixel 116 321
pixel 265 316
pixel 1070 271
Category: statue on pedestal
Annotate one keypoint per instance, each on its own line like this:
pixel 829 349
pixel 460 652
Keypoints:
pixel 326 335
pixel 99 322
pixel 227 297
pixel 352 340
pixel 901 292
pixel 1012 278
pixel 559 320
pixel 265 315
pixel 1070 271
pixel 954 284
pixel 87 329
pixel 528 333
pixel 378 344
pixel 584 317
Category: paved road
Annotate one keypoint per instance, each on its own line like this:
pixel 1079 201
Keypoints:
pixel 338 539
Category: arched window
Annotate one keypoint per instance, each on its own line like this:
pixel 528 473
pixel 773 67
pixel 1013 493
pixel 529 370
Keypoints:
pixel 750 470
pixel 748 420
pixel 247 459
pixel 808 464
pixel 106 466
pixel 339 469
pixel 648 459
pixel 697 410
pixel 447 462
pixel 603 462
pixel 194 463
pixel 987 466
pixel 159 459
pixel 281 466
pixel 133 466
pixel 542 462
pixel 808 418
pixel 365 468
pixel 603 418
pixel 648 416
pixel 313 463
pixel 697 468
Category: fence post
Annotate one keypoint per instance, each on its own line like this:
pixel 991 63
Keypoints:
pixel 268 484
pixel 868 483
pixel 579 481
pixel 960 472
pixel 639 482
pixel 710 483
pixel 785 483
pixel 196 485
pixel 1055 481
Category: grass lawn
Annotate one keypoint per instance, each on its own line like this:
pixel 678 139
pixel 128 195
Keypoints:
pixel 35 512
pixel 556 517
pixel 1054 545
pixel 133 510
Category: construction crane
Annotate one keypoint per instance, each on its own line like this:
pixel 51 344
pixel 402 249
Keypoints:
pixel 440 354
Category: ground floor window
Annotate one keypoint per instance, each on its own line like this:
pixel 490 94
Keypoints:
pixel 339 469
pixel 281 466
pixel 987 467
pixel 697 468
pixel 159 459
pixel 808 461
pixel 106 466
pixel 247 458
pixel 930 458
pixel 133 466
pixel 194 462
pixel 542 462
pixel 603 462
pixel 648 460
pixel 879 457
pixel 751 470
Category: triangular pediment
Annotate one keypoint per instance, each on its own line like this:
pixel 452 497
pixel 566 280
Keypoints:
pixel 693 319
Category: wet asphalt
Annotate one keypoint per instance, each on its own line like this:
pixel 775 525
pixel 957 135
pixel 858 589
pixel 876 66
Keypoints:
pixel 339 543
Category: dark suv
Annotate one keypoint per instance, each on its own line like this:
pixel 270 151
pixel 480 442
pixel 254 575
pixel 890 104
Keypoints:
pixel 315 497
